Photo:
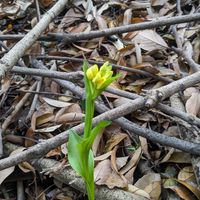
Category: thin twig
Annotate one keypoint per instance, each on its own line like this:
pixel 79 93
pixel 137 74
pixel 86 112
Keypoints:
pixel 119 67
pixel 48 93
pixel 70 38
pixel 34 102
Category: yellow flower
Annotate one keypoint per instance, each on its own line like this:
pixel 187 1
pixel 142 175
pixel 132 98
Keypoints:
pixel 102 77
pixel 105 69
pixel 92 72
pixel 98 81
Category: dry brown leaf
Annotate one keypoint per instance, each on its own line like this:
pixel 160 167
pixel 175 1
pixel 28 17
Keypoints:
pixel 129 176
pixel 35 49
pixel 111 50
pixel 180 157
pixel 102 24
pixel 26 167
pixel 74 108
pixel 189 91
pixel 135 190
pixel 172 131
pixel 46 3
pixel 5 85
pixel 102 171
pixel 15 139
pixel 182 192
pixel 54 152
pixel 121 161
pixel 70 117
pixel 5 173
pixel 103 157
pixel 83 48
pixel 158 2
pixel 48 129
pixel 146 117
pixel 150 183
pixel 149 40
pixel 103 175
pixel 95 145
pixel 163 71
pixel 133 162
pixel 56 103
pixel 44 118
pixel 192 105
pixel 81 27
pixel 29 140
pixel 120 101
pixel 186 174
pixel 54 87
pixel 190 187
pixel 113 160
pixel 144 146
pixel 70 17
pixel 127 16
pixel 115 140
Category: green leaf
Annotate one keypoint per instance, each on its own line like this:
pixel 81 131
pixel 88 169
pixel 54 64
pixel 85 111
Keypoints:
pixel 90 179
pixel 74 154
pixel 87 142
pixel 110 80
pixel 96 130
pixel 107 83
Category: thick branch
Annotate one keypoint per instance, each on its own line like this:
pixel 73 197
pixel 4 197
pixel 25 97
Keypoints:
pixel 69 177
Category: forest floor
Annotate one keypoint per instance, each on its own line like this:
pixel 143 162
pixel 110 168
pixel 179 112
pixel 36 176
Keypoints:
pixel 151 149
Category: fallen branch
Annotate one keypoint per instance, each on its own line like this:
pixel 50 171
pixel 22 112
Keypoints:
pixel 11 58
pixel 17 37
pixel 69 38
pixel 47 73
pixel 119 67
pixel 69 177
pixel 162 107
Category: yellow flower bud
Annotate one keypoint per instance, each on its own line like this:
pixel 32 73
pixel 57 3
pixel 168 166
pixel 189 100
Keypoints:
pixel 99 81
pixel 105 68
pixel 92 72
pixel 100 78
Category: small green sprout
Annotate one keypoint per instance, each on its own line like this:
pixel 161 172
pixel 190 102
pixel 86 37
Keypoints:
pixel 80 155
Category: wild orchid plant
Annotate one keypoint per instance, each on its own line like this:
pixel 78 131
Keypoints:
pixel 80 155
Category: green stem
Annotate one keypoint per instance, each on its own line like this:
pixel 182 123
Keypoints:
pixel 89 113
pixel 90 190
